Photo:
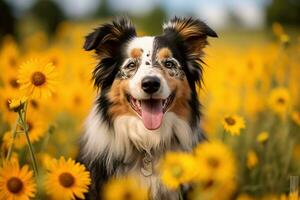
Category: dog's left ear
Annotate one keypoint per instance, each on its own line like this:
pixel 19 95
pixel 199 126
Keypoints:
pixel 191 35
pixel 192 32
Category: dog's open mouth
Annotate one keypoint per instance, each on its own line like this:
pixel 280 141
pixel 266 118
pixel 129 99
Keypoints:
pixel 151 110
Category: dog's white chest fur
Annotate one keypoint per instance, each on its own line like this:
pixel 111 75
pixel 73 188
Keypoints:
pixel 138 148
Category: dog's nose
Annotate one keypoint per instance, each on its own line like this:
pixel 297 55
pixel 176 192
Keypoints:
pixel 150 84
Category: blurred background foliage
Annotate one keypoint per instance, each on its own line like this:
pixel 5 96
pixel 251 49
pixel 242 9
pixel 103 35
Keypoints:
pixel 284 11
pixel 48 14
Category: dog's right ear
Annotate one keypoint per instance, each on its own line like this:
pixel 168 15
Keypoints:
pixel 108 38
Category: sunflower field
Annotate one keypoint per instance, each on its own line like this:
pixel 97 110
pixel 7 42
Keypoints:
pixel 251 116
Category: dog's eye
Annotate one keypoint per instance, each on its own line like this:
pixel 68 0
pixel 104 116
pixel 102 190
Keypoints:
pixel 130 65
pixel 169 64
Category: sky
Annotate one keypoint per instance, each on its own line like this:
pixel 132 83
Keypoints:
pixel 215 12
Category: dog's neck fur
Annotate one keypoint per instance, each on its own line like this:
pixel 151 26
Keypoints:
pixel 128 142
pixel 128 136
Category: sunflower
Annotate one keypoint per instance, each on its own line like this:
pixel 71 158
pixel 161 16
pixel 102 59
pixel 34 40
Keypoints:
pixel 73 100
pixel 11 78
pixel 6 95
pixel 215 162
pixel 244 197
pixel 284 39
pixel 45 159
pixel 67 179
pixel 262 137
pixel 277 29
pixel 125 188
pixel 16 183
pixel 17 104
pixel 252 159
pixel 34 105
pixel 279 100
pixel 285 197
pixel 296 117
pixel 293 196
pixel 177 168
pixel 213 190
pixel 233 124
pixel 9 55
pixel 36 42
pixel 37 78
pixel 56 56
pixel 271 196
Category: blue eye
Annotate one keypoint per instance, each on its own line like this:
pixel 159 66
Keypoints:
pixel 169 64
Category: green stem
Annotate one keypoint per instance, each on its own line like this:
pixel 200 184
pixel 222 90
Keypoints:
pixel 45 141
pixel 180 195
pixel 11 147
pixel 47 137
pixel 31 151
pixel 223 136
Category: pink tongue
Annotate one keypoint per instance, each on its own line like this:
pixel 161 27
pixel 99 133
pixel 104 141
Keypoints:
pixel 152 113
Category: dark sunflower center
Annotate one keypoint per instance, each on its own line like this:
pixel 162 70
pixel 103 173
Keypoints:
pixel 12 61
pixel 281 100
pixel 66 179
pixel 213 162
pixel 77 100
pixel 34 103
pixel 13 83
pixel 30 125
pixel 230 121
pixel 38 78
pixel 209 184
pixel 127 196
pixel 250 65
pixel 54 61
pixel 14 185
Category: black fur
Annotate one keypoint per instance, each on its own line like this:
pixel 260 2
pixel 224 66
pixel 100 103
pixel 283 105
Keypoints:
pixel 99 175
pixel 103 105
pixel 108 41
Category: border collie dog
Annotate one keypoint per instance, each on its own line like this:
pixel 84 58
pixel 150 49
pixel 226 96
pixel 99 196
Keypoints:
pixel 147 102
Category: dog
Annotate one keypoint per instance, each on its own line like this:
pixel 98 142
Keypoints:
pixel 147 101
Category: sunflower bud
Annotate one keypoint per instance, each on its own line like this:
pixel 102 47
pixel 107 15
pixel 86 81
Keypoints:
pixel 17 104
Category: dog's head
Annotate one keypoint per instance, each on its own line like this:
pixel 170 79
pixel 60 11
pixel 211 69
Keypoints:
pixel 149 76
